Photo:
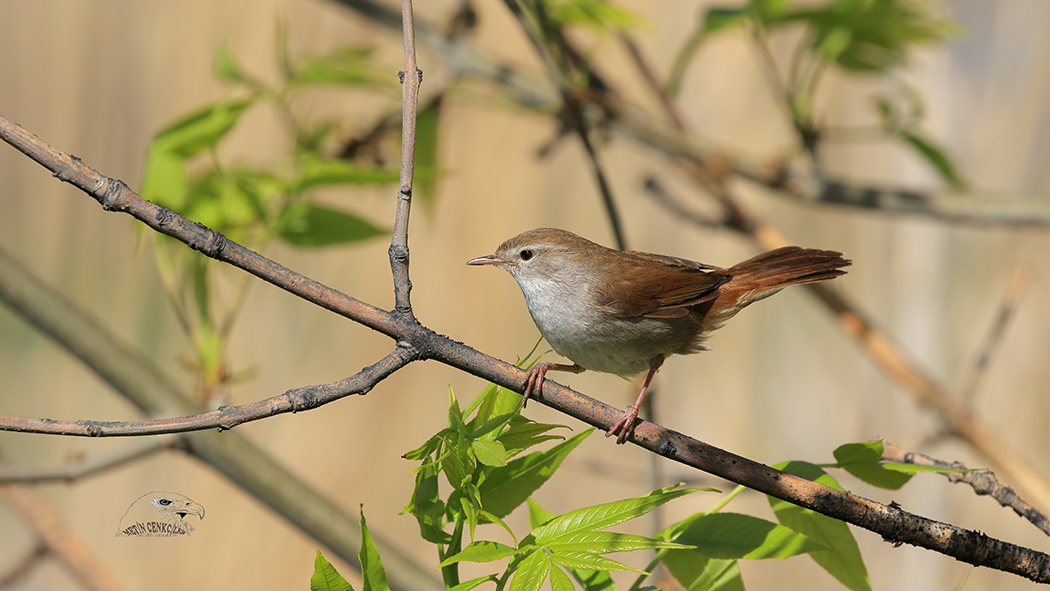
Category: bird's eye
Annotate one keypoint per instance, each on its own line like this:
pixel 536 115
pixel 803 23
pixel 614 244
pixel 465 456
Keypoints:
pixel 525 254
pixel 164 502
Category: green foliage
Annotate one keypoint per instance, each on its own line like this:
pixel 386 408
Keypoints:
pixel 255 203
pixel 327 578
pixel 855 36
pixel 841 558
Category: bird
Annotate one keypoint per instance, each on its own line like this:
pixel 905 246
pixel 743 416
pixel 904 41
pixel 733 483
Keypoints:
pixel 625 312
pixel 159 514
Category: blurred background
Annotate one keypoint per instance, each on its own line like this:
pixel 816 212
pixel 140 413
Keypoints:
pixel 784 381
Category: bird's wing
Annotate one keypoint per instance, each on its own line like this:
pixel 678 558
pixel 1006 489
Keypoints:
pixel 659 286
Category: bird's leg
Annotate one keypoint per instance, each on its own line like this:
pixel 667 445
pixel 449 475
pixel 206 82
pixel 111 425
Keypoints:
pixel 534 379
pixel 625 426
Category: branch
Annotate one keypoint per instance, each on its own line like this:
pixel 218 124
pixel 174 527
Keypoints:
pixel 983 482
pixel 257 472
pixel 247 466
pixel 411 77
pixel 73 471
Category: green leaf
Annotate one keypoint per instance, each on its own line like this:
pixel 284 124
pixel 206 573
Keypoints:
pixel 326 578
pixel 937 157
pixel 720 18
pixel 862 461
pixel 306 225
pixel 601 17
pixel 584 560
pixel 480 551
pixel 733 535
pixel 768 12
pixel 842 559
pixel 507 487
pixel 524 433
pixel 426 168
pixel 201 129
pixel 603 542
pixel 314 172
pixel 561 581
pixel 427 507
pixel 604 515
pixel 531 572
pixel 590 580
pixel 468 585
pixel 871 35
pixel 372 572
pixel 490 453
pixel 226 66
pixel 164 181
pixel 351 66
pixel 700 573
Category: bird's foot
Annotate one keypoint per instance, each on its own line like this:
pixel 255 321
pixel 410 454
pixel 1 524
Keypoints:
pixel 534 380
pixel 625 426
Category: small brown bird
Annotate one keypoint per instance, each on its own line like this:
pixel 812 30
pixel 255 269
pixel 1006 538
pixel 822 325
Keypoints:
pixel 625 312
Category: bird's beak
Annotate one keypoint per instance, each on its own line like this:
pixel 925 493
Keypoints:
pixel 193 508
pixel 490 259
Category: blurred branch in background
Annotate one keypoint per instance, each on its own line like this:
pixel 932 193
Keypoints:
pixel 711 170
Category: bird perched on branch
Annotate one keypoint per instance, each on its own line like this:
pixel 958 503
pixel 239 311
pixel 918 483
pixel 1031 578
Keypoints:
pixel 625 312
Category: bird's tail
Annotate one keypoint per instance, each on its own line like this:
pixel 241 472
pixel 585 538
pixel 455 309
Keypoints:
pixel 768 273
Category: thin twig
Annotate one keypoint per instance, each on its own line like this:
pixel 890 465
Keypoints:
pixel 73 471
pixel 1014 290
pixel 226 417
pixel 411 77
pixel 983 482
pixel 888 521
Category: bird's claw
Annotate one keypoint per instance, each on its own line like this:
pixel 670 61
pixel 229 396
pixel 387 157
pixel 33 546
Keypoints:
pixel 534 381
pixel 624 427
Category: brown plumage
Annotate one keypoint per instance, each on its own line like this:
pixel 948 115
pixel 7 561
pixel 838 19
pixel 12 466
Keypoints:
pixel 625 312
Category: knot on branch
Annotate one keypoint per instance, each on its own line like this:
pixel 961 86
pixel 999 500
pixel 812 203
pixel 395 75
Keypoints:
pixel 398 253
pixel 213 245
pixel 92 428
pixel 305 398
pixel 165 216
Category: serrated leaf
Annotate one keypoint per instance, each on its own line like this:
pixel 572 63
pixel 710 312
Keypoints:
pixel 584 560
pixel 604 515
pixel 594 580
pixel 734 535
pixel 490 453
pixel 538 515
pixel 523 434
pixel 326 578
pixel 468 585
pixel 603 542
pixel 531 572
pixel 372 573
pixel 306 225
pixel 480 551
pixel 937 157
pixel 201 129
pixel 843 559
pixel 508 486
